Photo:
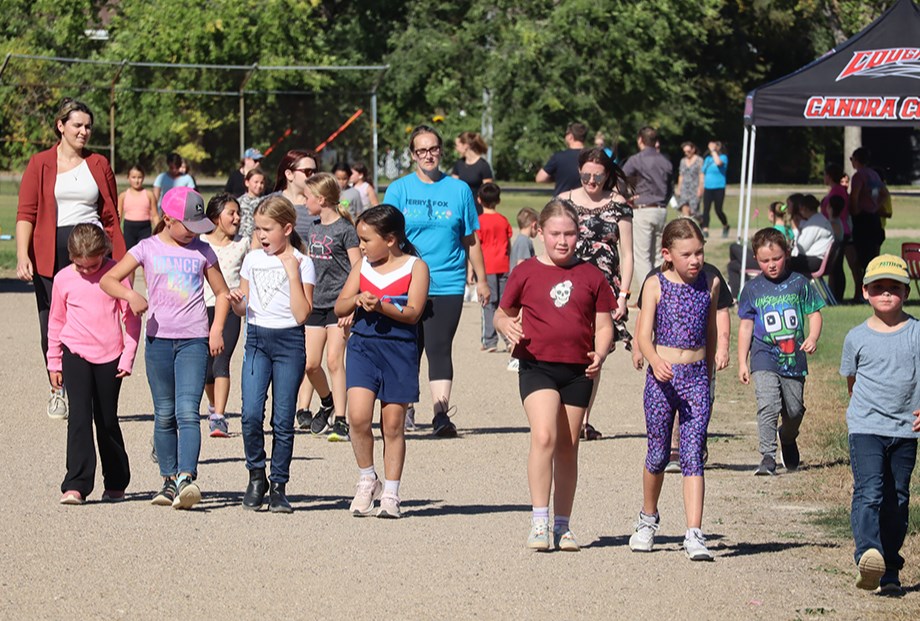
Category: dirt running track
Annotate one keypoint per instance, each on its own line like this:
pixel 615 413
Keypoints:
pixel 459 551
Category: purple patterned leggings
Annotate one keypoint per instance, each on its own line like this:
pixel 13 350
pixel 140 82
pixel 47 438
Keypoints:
pixel 688 395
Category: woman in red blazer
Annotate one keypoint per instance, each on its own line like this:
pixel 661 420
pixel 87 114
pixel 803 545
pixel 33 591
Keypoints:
pixel 63 176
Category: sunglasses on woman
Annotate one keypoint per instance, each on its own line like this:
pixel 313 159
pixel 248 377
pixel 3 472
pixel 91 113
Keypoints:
pixel 598 177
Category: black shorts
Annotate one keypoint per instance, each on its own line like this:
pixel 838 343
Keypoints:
pixel 569 380
pixel 321 318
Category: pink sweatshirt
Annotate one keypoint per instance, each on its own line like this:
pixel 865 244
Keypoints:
pixel 85 319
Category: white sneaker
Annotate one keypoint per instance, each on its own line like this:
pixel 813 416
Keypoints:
pixel 540 537
pixel 566 541
pixel 57 405
pixel 695 546
pixel 366 492
pixel 643 540
pixel 514 364
pixel 410 417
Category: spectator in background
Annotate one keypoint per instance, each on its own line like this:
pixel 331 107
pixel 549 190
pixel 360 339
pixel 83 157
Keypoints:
pixel 715 167
pixel 172 178
pixel 471 168
pixel 236 185
pixel 359 182
pixel 866 194
pixel 562 166
pixel 349 198
pixel 650 174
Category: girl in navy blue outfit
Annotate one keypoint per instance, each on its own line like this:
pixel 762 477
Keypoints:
pixel 387 292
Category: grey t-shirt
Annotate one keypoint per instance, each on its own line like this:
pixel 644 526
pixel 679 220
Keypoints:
pixel 327 245
pixel 887 370
pixel 351 200
pixel 521 250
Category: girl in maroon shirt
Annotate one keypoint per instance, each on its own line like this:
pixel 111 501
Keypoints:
pixel 556 311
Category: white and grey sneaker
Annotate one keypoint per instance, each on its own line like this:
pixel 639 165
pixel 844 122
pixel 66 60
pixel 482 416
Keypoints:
pixel 695 546
pixel 410 417
pixel 643 540
pixel 57 405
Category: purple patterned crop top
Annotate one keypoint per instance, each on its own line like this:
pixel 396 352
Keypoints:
pixel 682 314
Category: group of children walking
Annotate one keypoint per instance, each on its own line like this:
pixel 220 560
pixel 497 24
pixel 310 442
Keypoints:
pixel 553 309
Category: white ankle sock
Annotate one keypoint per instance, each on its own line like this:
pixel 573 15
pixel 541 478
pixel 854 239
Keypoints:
pixel 369 473
pixel 540 513
pixel 391 487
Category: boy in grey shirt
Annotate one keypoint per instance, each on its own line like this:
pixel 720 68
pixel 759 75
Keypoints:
pixel 881 361
pixel 522 246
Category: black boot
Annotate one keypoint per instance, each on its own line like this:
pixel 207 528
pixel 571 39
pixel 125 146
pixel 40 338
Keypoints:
pixel 256 489
pixel 278 502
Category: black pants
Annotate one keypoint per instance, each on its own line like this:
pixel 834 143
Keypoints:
pixel 43 284
pixel 804 265
pixel 436 332
pixel 135 231
pixel 220 366
pixel 717 197
pixel 92 394
pixel 734 266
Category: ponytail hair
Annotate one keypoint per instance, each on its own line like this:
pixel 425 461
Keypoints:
pixel 388 221
pixel 87 241
pixel 324 185
pixel 676 230
pixel 282 211
pixel 558 208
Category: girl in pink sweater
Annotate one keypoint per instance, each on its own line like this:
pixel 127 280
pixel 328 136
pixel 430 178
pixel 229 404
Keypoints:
pixel 86 344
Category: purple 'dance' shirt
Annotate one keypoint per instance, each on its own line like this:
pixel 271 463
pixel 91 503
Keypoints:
pixel 175 287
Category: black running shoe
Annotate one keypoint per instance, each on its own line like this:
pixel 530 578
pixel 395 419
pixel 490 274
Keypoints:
pixel 320 420
pixel 304 419
pixel 339 432
pixel 442 425
pixel 767 467
pixel 167 495
pixel 790 454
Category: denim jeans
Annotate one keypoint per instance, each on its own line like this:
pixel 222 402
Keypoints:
pixel 882 467
pixel 175 372
pixel 275 356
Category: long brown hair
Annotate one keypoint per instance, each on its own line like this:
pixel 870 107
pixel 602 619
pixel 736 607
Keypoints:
pixel 676 230
pixel 558 207
pixel 282 211
pixel 326 186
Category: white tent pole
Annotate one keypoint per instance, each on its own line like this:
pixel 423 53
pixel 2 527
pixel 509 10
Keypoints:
pixel 747 215
pixel 744 156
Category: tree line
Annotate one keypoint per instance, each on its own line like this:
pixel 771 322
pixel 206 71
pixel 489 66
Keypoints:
pixel 531 66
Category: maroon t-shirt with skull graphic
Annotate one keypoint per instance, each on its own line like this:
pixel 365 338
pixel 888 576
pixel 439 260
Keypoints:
pixel 559 306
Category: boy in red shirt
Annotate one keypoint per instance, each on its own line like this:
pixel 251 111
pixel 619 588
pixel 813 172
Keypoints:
pixel 495 237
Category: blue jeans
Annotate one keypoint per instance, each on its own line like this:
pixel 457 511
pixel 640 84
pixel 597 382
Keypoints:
pixel 275 356
pixel 175 372
pixel 882 467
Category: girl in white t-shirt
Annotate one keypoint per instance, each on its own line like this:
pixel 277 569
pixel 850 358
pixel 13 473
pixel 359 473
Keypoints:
pixel 224 211
pixel 276 296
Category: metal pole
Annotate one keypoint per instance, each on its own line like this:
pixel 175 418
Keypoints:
pixel 245 81
pixel 118 71
pixel 747 217
pixel 744 156
pixel 487 122
pixel 374 135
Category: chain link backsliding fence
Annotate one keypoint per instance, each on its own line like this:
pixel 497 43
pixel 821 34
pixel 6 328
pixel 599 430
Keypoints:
pixel 207 113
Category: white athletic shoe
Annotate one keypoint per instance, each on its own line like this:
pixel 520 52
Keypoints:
pixel 643 540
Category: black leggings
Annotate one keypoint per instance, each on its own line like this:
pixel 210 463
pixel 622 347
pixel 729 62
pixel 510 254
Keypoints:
pixel 135 231
pixel 219 366
pixel 717 197
pixel 436 333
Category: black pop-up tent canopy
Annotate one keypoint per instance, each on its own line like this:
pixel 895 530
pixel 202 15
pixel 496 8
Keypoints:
pixel 870 80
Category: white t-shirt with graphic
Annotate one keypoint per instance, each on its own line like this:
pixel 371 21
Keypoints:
pixel 269 303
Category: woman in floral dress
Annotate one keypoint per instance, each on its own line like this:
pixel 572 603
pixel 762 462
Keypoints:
pixel 604 237
pixel 689 182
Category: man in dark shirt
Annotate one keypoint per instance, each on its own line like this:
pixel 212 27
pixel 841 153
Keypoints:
pixel 650 174
pixel 236 184
pixel 562 166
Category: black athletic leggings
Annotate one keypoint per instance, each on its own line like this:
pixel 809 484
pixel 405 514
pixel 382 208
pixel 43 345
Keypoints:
pixel 717 197
pixel 436 332
pixel 219 366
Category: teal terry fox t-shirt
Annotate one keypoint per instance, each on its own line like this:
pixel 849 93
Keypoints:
pixel 437 215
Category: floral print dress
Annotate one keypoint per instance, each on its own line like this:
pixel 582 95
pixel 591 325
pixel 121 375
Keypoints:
pixel 598 239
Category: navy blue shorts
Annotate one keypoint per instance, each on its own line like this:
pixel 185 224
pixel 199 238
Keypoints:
pixel 387 367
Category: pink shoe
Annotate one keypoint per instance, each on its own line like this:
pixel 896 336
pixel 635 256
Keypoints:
pixel 389 507
pixel 72 497
pixel 366 492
